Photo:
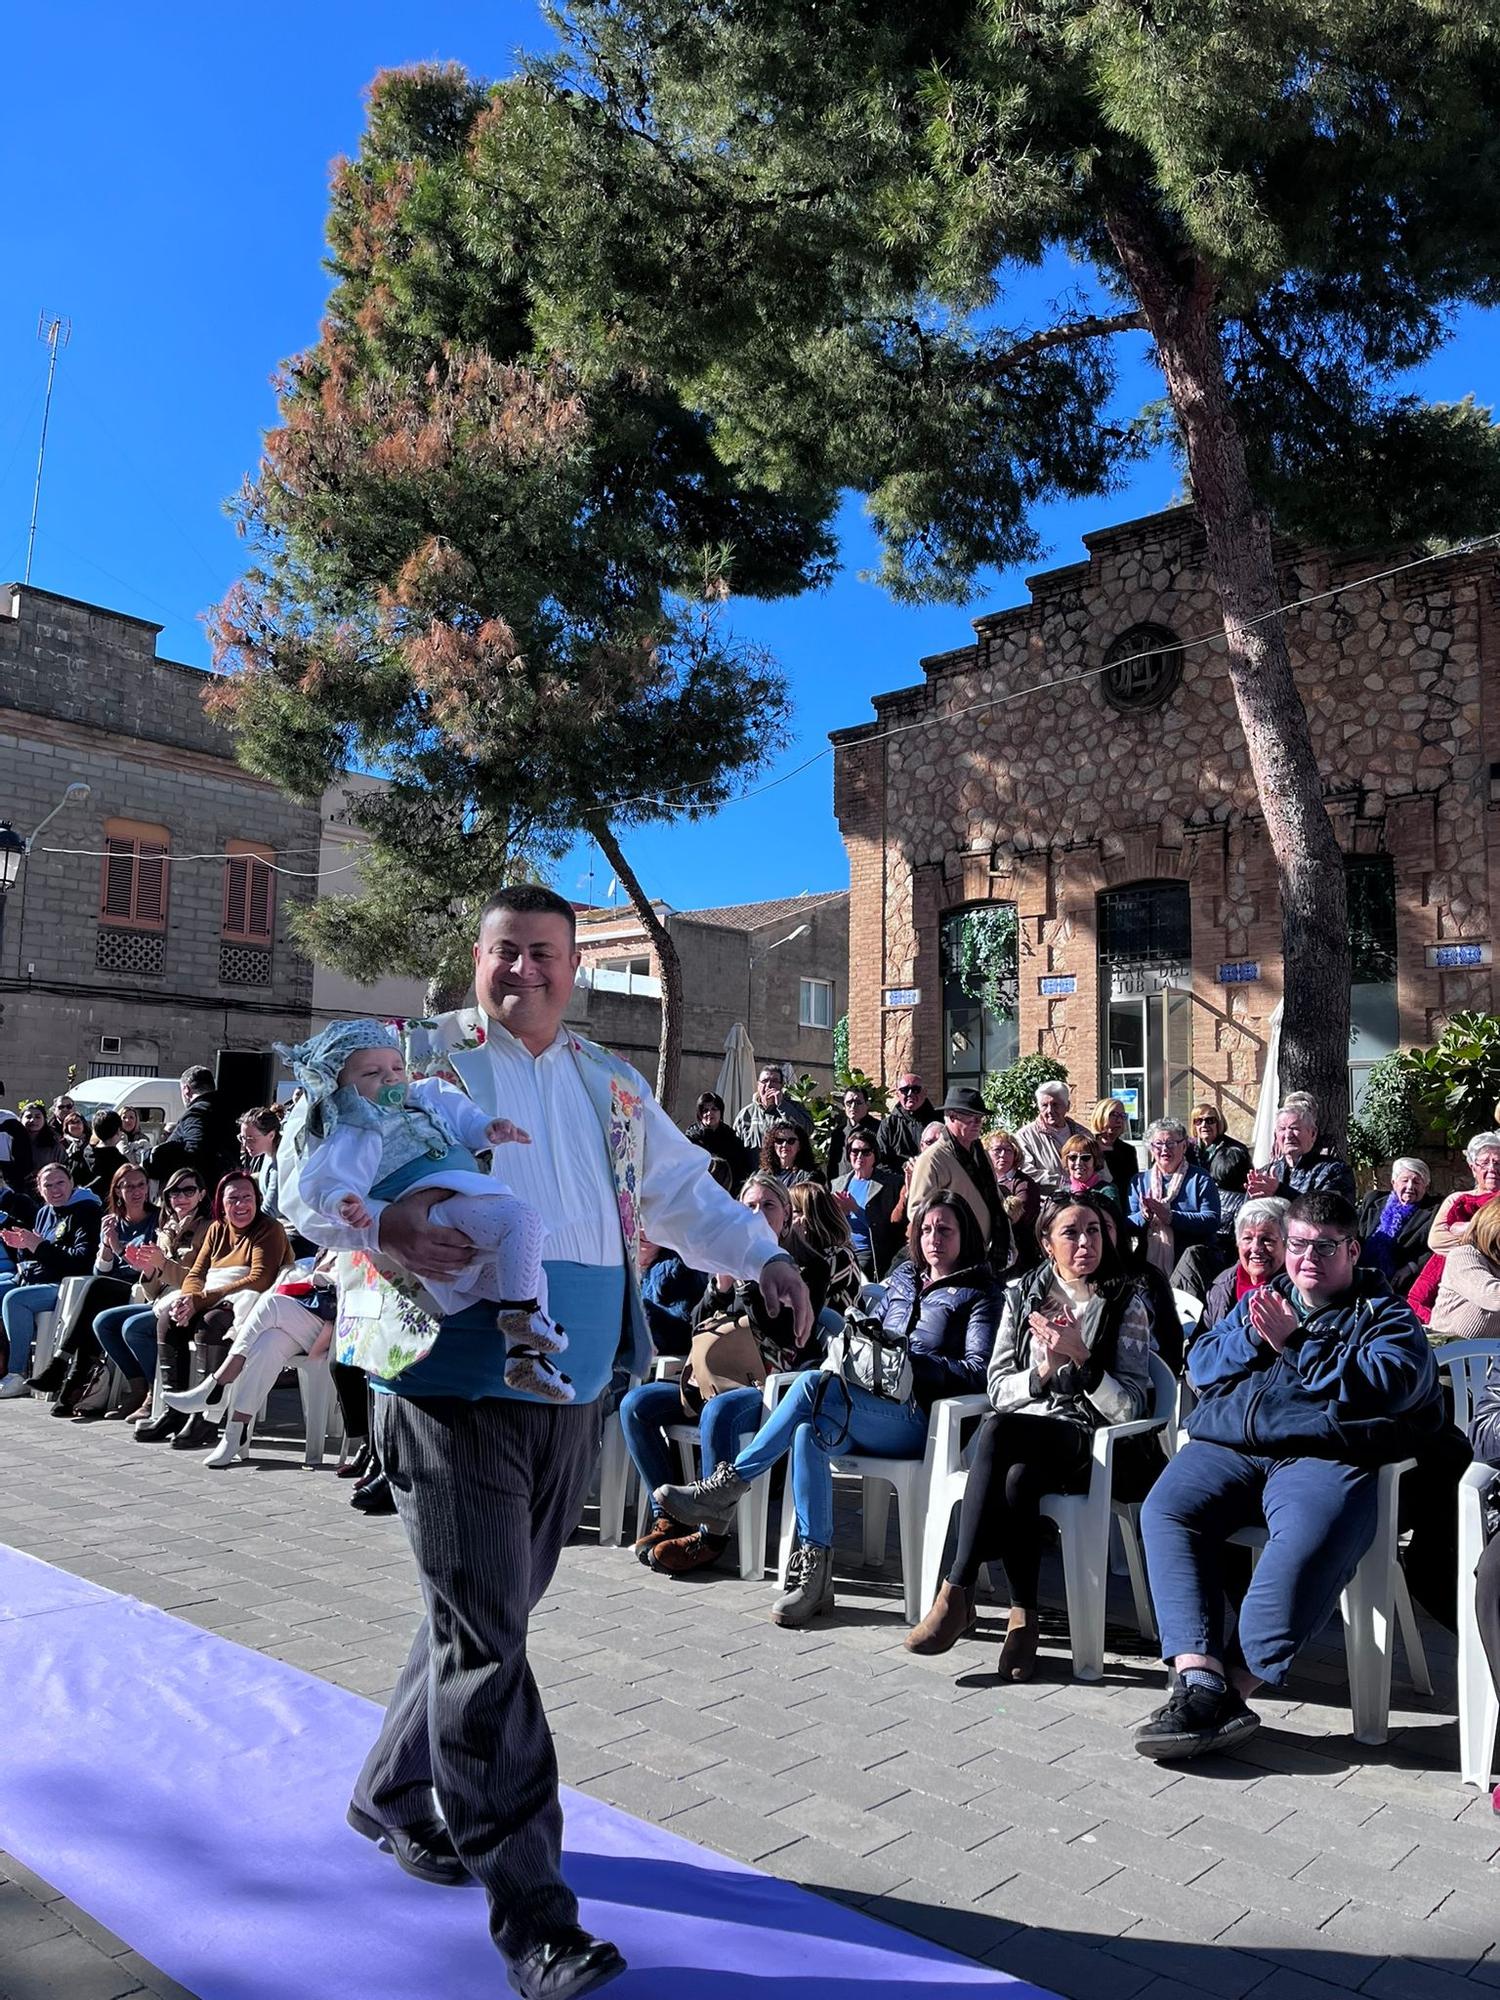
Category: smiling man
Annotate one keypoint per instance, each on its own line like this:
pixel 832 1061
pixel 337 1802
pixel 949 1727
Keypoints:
pixel 489 1482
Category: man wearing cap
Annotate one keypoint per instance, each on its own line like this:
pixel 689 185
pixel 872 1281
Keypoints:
pixel 958 1162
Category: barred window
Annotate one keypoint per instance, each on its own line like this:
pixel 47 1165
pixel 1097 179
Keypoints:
pixel 249 893
pixel 133 883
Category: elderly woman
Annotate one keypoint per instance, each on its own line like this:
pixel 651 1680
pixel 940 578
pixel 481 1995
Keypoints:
pixel 63 1244
pixel 668 1546
pixel 787 1153
pixel 1455 1218
pixel 1111 1127
pixel 1019 1194
pixel 1073 1352
pixel 1393 1226
pixel 1086 1170
pixel 1042 1140
pixel 944 1300
pixel 1175 1202
pixel 1260 1246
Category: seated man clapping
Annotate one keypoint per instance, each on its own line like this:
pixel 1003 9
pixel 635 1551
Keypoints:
pixel 1312 1383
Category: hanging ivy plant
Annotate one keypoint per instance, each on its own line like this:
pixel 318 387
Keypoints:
pixel 986 968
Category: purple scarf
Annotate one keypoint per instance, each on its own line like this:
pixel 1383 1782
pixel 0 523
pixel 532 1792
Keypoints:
pixel 1380 1244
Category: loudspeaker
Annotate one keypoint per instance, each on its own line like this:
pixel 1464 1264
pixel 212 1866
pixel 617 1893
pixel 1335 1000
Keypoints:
pixel 244 1079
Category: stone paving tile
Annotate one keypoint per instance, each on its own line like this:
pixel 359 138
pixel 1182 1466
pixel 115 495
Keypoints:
pixel 1010 1823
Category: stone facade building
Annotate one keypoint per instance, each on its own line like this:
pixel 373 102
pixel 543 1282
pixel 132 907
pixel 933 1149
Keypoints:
pixel 146 930
pixel 781 968
pixel 1077 777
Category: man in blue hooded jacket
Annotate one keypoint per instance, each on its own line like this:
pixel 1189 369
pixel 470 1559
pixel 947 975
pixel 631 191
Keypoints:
pixel 1310 1385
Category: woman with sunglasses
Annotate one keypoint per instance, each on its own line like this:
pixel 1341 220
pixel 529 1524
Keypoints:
pixel 786 1153
pixel 129 1219
pixel 127 1332
pixel 244 1252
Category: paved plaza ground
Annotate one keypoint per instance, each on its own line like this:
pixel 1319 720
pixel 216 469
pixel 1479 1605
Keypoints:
pixel 1014 1824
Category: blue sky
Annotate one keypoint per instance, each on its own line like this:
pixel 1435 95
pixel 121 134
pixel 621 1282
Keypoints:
pixel 169 169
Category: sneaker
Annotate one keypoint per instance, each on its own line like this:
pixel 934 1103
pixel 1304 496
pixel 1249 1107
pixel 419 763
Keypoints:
pixel 809 1587
pixel 13 1385
pixel 707 1503
pixel 1195 1720
pixel 681 1555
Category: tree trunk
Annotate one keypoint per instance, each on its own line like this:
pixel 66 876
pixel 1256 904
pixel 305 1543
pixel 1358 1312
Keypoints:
pixel 669 1048
pixel 1180 308
pixel 446 991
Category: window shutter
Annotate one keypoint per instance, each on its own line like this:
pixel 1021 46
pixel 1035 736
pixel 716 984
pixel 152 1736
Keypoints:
pixel 151 885
pixel 236 869
pixel 249 894
pixel 261 885
pixel 133 885
pixel 117 896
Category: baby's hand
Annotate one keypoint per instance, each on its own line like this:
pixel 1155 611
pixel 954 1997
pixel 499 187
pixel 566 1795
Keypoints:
pixel 353 1211
pixel 500 1132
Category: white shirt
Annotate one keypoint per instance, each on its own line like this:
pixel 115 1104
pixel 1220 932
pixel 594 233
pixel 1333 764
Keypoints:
pixel 566 1176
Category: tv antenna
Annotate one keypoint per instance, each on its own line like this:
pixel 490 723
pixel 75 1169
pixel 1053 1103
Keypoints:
pixel 56 332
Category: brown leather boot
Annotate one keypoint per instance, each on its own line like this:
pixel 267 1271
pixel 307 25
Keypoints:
pixel 951 1616
pixel 1018 1654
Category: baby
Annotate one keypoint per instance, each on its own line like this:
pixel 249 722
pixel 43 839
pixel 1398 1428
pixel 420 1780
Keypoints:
pixel 364 1129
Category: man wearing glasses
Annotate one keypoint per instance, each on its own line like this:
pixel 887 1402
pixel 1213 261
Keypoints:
pixel 769 1106
pixel 857 1117
pixel 901 1129
pixel 1312 1383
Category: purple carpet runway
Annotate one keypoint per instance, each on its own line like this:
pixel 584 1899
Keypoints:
pixel 189 1794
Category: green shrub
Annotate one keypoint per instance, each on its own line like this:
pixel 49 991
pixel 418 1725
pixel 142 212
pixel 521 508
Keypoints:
pixel 1390 1122
pixel 1012 1092
pixel 1455 1085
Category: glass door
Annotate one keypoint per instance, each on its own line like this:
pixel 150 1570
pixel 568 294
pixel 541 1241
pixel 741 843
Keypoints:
pixel 1128 1059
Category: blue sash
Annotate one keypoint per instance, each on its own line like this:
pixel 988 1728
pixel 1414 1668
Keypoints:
pixel 468 1360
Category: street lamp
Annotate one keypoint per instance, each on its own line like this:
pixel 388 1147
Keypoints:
pixel 14 848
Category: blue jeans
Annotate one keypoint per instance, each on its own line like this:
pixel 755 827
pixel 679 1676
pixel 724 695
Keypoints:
pixel 646 1412
pixel 1320 1518
pixel 875 1425
pixel 127 1335
pixel 19 1307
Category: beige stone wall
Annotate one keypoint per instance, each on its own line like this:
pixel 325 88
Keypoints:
pixel 1049 796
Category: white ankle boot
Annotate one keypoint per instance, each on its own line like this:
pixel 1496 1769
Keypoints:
pixel 230 1447
pixel 202 1397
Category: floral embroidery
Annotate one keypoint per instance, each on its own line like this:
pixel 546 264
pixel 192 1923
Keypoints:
pixel 383 1325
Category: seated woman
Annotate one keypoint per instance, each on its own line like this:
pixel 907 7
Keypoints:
pixel 1393 1227
pixel 647 1410
pixel 295 1317
pixel 1175 1202
pixel 1110 1122
pixel 669 1292
pixel 1260 1253
pixel 62 1244
pixel 243 1253
pixel 127 1333
pixel 1086 1170
pixel 821 1224
pixel 944 1300
pixel 787 1153
pixel 717 1139
pixel 1020 1197
pixel 1455 1218
pixel 1468 1300
pixel 1072 1354
pixel 867 1194
pixel 129 1219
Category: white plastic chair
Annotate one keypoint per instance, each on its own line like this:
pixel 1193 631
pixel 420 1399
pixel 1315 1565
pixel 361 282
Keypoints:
pixel 41 1346
pixel 1189 1311
pixel 1478 1705
pixel 319 1406
pixel 752 1515
pixel 1465 1363
pixel 1375 1601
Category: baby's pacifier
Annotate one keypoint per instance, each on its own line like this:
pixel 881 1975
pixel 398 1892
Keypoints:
pixel 391 1096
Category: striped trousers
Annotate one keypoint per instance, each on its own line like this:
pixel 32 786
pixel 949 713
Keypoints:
pixel 488 1492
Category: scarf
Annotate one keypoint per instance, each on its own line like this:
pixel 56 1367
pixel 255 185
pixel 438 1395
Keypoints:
pixel 1380 1244
pixel 1159 1235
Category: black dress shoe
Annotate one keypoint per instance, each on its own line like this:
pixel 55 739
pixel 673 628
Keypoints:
pixel 359 1465
pixel 197 1434
pixel 426 1851
pixel 374 1496
pixel 156 1430
pixel 565 1966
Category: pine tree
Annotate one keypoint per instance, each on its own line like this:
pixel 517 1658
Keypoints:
pixel 476 570
pixel 807 221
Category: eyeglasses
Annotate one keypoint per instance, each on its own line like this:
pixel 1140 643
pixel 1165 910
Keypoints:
pixel 908 1089
pixel 860 1152
pixel 176 1193
pixel 1322 1248
pixel 782 1144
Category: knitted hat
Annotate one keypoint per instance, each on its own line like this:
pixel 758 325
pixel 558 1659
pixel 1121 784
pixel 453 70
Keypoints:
pixel 316 1065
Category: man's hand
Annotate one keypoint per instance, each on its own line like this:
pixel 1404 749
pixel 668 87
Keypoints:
pixel 1261 1181
pixel 500 1132
pixel 1272 1318
pixel 423 1247
pixel 781 1285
